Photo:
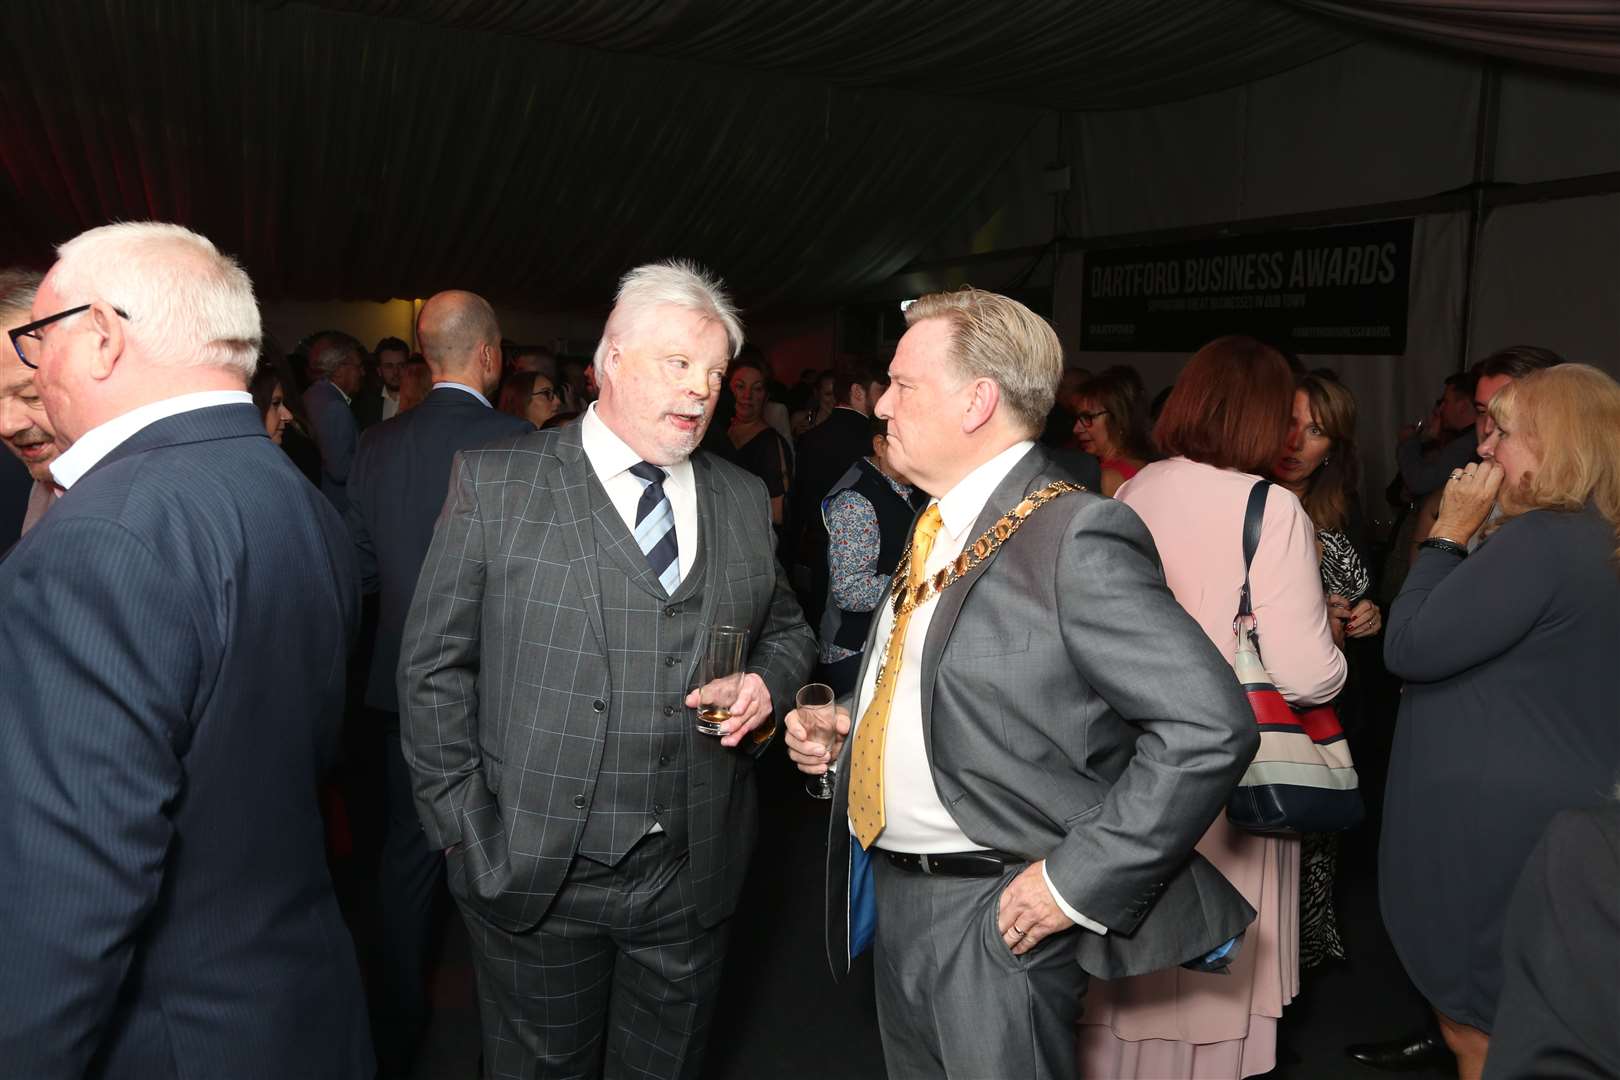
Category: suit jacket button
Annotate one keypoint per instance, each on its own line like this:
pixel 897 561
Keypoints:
pixel 671 612
pixel 663 759
pixel 669 661
pixel 669 710
pixel 598 705
pixel 579 802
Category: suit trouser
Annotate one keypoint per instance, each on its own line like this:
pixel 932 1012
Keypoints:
pixel 408 877
pixel 618 980
pixel 953 1001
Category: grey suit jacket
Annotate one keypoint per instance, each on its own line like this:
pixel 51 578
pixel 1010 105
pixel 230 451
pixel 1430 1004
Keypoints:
pixel 338 436
pixel 504 678
pixel 1074 712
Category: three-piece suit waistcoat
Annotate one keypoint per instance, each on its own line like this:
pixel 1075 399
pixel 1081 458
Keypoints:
pixel 652 638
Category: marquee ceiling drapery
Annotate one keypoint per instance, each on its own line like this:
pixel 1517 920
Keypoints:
pixel 533 149
pixel 1579 35
pixel 1063 54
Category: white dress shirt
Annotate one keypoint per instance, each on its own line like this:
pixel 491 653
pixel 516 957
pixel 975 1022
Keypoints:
pixel 611 458
pixel 915 820
pixel 390 405
pixel 102 440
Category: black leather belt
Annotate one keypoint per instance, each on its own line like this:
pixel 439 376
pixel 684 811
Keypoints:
pixel 955 863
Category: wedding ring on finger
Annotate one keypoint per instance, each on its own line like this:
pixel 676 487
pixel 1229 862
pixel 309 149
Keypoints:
pixel 1456 474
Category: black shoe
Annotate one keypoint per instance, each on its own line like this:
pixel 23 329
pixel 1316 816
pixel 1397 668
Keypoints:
pixel 1423 1050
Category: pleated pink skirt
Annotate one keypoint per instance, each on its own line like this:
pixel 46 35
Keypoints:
pixel 1185 1025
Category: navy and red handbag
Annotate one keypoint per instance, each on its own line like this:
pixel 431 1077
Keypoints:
pixel 1301 779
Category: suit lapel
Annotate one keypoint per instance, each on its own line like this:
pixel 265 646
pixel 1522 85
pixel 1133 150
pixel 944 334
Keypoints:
pixel 571 491
pixel 711 541
pixel 1017 483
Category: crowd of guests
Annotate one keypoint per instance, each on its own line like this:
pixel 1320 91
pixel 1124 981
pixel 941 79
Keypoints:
pixel 1493 601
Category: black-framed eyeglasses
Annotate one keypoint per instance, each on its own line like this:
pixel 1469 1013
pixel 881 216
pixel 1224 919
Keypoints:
pixel 546 392
pixel 1086 419
pixel 31 330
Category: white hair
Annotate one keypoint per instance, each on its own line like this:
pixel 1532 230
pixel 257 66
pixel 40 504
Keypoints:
pixel 187 304
pixel 679 283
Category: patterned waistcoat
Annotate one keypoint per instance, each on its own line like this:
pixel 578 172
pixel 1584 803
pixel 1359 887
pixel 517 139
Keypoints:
pixel 652 638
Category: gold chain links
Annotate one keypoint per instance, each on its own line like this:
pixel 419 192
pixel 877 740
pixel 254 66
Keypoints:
pixel 909 599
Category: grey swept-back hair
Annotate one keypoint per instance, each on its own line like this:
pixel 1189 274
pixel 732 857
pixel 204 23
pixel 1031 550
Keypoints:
pixel 17 289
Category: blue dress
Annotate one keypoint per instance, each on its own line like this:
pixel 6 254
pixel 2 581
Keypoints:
pixel 1510 714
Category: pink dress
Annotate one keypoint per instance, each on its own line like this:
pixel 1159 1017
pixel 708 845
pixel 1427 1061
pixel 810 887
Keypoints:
pixel 1177 1023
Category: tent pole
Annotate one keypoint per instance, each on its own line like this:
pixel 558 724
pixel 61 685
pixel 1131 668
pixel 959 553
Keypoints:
pixel 1484 170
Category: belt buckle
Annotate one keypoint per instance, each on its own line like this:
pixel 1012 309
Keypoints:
pixel 926 868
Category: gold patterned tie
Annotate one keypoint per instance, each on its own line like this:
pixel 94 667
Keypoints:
pixel 866 760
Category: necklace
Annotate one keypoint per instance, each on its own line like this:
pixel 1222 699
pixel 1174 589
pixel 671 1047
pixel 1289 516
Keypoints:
pixel 907 598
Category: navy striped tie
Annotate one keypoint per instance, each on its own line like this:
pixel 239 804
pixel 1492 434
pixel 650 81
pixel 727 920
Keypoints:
pixel 655 526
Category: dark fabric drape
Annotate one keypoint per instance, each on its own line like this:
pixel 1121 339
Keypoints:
pixel 1581 35
pixel 1067 54
pixel 345 156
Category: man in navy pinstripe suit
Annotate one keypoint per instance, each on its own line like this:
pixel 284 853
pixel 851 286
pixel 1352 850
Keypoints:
pixel 596 841
pixel 173 660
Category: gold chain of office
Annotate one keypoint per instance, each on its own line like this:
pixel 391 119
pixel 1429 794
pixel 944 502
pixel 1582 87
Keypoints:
pixel 909 598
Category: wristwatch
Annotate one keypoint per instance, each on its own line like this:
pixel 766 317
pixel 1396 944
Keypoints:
pixel 1441 543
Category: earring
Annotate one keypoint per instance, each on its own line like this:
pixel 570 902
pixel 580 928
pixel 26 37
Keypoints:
pixel 1326 460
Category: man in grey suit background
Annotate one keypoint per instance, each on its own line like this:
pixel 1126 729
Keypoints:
pixel 173 686
pixel 337 363
pixel 1043 734
pixel 596 842
pixel 396 488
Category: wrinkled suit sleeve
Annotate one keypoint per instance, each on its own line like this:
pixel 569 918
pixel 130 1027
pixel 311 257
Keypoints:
pixel 1152 663
pixel 90 767
pixel 438 669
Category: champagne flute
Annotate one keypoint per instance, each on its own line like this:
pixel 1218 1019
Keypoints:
pixel 816 711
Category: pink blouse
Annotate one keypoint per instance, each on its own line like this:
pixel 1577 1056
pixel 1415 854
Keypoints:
pixel 1195 513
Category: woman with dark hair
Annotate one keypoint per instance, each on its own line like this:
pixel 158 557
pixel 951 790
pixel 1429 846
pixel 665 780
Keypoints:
pixel 751 442
pixel 1225 425
pixel 1512 692
pixel 1109 425
pixel 273 390
pixel 531 395
pixel 1318 464
pixel 270 395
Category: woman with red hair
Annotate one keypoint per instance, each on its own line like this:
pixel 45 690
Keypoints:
pixel 1224 426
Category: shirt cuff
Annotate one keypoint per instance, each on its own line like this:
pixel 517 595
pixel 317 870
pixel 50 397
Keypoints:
pixel 1094 927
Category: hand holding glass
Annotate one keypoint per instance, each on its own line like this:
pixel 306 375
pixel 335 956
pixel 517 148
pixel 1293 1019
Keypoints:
pixel 820 719
pixel 722 676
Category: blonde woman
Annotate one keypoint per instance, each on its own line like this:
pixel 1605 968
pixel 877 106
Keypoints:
pixel 1512 690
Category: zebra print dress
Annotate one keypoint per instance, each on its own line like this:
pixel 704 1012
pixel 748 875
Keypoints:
pixel 1343 573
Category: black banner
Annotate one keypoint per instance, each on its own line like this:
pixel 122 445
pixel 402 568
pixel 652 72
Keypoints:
pixel 1334 290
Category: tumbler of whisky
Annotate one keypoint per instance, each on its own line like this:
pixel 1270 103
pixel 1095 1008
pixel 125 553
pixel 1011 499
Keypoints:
pixel 722 674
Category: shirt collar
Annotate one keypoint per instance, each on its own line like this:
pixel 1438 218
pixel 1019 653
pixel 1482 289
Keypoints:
pixel 465 389
pixel 95 444
pixel 610 455
pixel 961 506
